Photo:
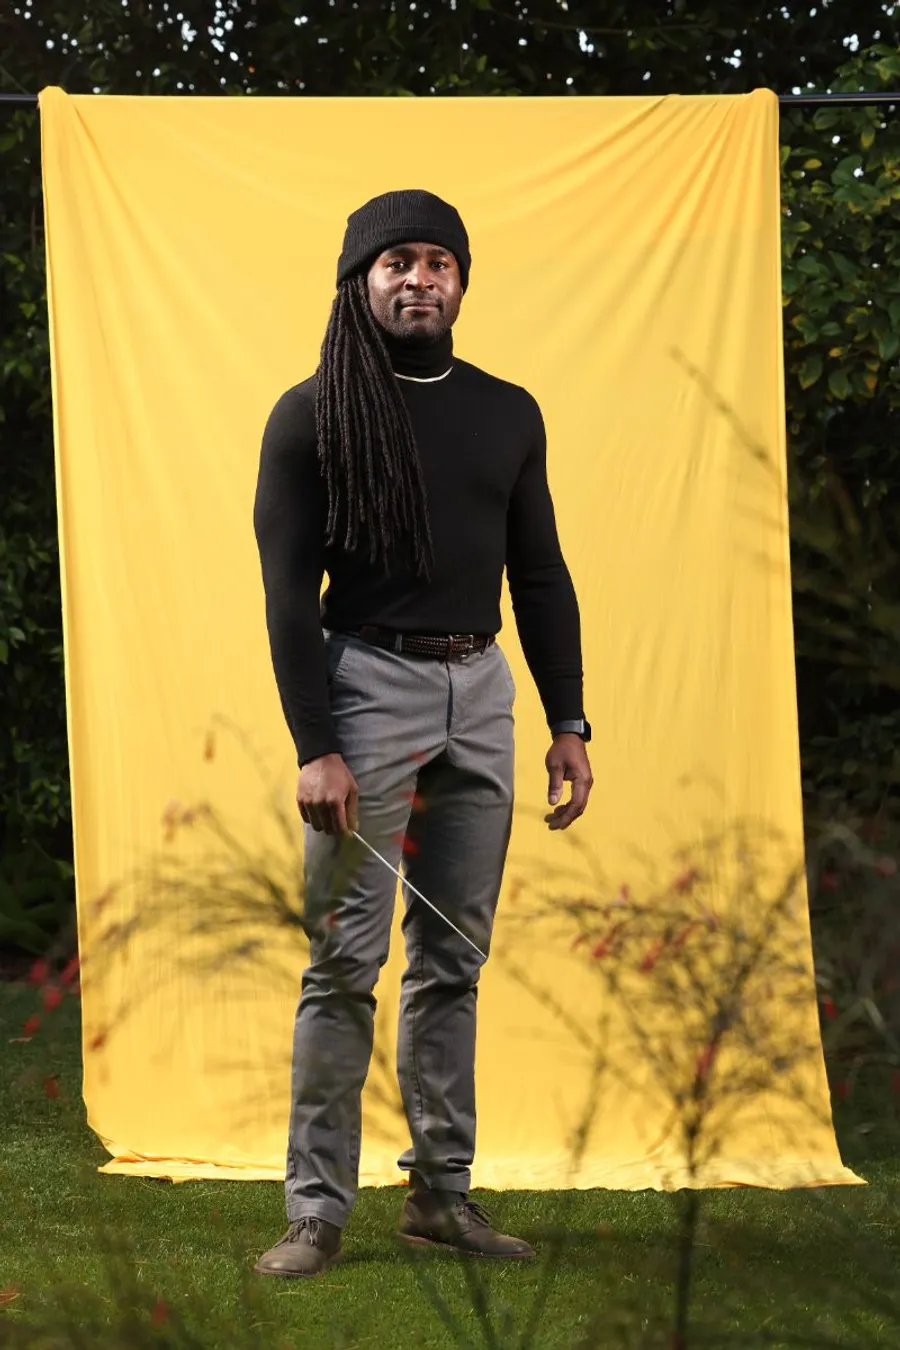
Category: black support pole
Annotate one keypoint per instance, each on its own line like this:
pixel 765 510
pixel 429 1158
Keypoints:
pixel 862 99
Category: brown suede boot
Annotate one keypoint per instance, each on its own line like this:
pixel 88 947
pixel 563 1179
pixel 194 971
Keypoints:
pixel 450 1219
pixel 308 1247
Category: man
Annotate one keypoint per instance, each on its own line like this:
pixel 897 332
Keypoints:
pixel 412 478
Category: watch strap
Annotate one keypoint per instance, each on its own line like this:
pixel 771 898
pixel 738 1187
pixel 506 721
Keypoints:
pixel 577 727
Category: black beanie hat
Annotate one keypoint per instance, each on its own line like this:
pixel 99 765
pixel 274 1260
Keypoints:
pixel 401 218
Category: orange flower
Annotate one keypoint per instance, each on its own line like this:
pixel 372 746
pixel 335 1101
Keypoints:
pixel 52 998
pixel 159 1313
pixel 39 972
pixel 31 1025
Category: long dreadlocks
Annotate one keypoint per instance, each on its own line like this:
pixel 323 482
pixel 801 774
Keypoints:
pixel 367 448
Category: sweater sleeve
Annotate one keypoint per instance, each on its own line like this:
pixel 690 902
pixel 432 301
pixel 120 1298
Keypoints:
pixel 289 523
pixel 543 596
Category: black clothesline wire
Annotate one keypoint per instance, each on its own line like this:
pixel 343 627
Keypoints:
pixel 809 100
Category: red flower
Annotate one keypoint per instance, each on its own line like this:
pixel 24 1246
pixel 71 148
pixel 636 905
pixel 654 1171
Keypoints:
pixel 828 881
pixel 160 1313
pixel 652 955
pixel 51 1087
pixel 52 997
pixel 687 880
pixel 407 844
pixel 681 939
pixel 705 1060
pixel 70 971
pixel 829 1009
pixel 39 972
pixel 31 1025
pixel 605 945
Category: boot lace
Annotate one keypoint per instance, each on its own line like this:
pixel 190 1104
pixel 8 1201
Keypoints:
pixel 308 1226
pixel 472 1210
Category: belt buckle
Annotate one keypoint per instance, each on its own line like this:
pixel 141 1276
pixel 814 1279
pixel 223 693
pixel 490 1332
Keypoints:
pixel 467 638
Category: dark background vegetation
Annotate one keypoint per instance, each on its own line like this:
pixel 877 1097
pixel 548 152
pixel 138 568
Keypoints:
pixel 841 187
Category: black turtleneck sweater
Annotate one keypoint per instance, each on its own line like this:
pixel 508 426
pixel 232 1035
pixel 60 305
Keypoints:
pixel 483 453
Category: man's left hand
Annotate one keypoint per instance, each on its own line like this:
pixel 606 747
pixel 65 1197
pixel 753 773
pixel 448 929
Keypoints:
pixel 567 762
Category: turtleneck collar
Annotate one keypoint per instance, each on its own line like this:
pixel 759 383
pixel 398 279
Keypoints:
pixel 421 362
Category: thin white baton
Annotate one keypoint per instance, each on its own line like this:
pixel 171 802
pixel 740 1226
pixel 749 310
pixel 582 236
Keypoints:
pixel 399 875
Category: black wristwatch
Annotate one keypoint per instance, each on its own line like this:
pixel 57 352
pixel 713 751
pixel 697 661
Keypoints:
pixel 580 727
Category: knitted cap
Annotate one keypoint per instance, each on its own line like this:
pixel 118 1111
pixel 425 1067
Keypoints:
pixel 403 218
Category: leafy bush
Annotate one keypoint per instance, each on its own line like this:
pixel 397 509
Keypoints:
pixel 35 899
pixel 841 281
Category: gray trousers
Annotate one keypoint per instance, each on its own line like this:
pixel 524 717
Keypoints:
pixel 430 744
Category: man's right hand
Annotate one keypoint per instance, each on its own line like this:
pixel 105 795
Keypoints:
pixel 327 795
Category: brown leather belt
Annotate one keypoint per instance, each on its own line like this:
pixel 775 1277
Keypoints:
pixel 441 647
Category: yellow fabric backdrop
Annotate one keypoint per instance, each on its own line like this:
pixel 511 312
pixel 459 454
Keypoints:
pixel 626 271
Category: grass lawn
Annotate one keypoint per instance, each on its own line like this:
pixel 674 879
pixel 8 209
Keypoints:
pixel 779 1269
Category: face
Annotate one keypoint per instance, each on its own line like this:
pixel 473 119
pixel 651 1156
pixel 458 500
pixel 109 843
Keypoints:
pixel 415 291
